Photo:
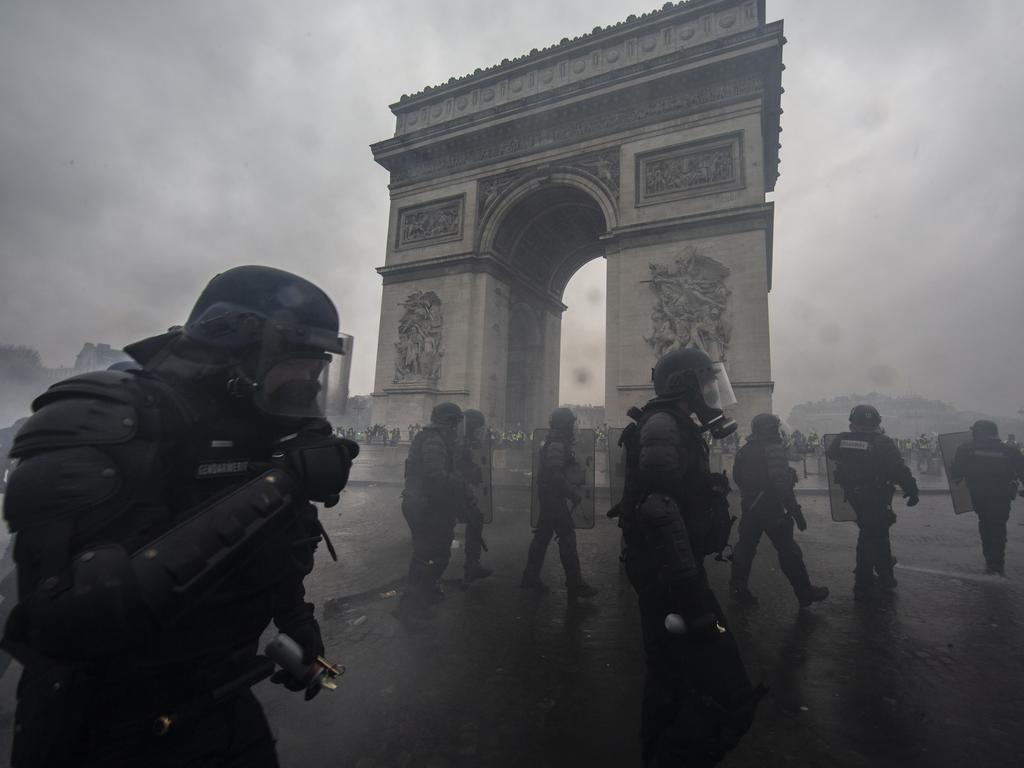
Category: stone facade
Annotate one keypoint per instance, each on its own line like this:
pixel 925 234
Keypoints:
pixel 651 144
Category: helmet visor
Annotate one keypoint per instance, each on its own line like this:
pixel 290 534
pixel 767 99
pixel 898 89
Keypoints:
pixel 294 387
pixel 716 388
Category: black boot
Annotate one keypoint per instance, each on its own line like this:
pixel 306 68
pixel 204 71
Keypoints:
pixel 474 572
pixel 812 594
pixel 740 593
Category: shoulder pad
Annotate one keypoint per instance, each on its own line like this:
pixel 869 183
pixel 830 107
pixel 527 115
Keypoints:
pixel 119 386
pixel 660 426
pixel 58 483
pixel 72 421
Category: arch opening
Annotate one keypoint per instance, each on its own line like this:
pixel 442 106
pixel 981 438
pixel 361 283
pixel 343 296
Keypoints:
pixel 546 236
pixel 549 234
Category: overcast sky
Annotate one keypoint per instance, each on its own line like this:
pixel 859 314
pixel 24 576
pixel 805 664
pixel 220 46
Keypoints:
pixel 145 146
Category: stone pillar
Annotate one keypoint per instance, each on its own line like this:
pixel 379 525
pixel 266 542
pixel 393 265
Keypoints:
pixel 632 297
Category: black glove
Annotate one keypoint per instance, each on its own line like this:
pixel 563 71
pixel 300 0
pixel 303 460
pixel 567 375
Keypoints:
pixel 911 495
pixel 319 460
pixel 307 635
pixel 719 482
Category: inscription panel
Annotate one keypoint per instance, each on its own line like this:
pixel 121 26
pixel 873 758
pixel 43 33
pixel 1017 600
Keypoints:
pixel 436 222
pixel 689 170
pixel 446 159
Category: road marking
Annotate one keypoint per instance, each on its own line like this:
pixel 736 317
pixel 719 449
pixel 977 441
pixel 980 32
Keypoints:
pixel 984 579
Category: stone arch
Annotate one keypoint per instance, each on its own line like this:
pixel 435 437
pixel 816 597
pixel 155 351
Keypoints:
pixel 656 156
pixel 515 194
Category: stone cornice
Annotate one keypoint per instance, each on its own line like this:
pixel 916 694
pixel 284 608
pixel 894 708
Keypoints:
pixel 669 97
pixel 715 224
pixel 468 262
pixel 676 27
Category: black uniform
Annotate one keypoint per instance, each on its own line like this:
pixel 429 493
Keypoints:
pixel 991 470
pixel 769 505
pixel 471 514
pixel 698 700
pixel 558 495
pixel 869 465
pixel 109 463
pixel 435 495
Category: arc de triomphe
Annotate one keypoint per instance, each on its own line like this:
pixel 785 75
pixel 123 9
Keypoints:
pixel 650 143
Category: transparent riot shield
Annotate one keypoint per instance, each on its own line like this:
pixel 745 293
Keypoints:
pixel 482 455
pixel 616 465
pixel 948 445
pixel 581 475
pixel 842 512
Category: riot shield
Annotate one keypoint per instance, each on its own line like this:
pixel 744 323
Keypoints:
pixel 616 465
pixel 842 512
pixel 581 476
pixel 958 492
pixel 481 455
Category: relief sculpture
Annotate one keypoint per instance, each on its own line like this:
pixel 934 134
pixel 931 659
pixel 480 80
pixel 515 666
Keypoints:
pixel 430 222
pixel 418 348
pixel 691 306
pixel 687 171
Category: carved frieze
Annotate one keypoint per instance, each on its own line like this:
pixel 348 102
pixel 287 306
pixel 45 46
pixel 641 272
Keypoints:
pixel 431 223
pixel 691 307
pixel 454 156
pixel 418 351
pixel 617 51
pixel 688 170
pixel 492 188
pixel 603 165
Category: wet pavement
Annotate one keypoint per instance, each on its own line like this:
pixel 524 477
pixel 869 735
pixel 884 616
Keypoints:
pixel 933 676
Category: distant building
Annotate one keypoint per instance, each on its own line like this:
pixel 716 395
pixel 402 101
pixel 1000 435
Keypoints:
pixel 98 357
pixel 92 357
pixel 906 417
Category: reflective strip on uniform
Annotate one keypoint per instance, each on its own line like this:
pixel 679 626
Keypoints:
pixel 857 445
pixel 990 454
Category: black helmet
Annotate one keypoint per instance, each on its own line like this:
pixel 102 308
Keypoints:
pixel 562 419
pixel 251 306
pixel 865 416
pixel 689 373
pixel 265 333
pixel 984 428
pixel 675 374
pixel 446 415
pixel 765 425
pixel 474 420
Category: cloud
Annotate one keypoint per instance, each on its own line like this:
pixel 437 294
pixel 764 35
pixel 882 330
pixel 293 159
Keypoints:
pixel 144 147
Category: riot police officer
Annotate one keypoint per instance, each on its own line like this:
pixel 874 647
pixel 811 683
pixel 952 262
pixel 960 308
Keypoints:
pixel 472 515
pixel 991 470
pixel 869 466
pixel 765 479
pixel 435 495
pixel 558 494
pixel 698 701
pixel 163 519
